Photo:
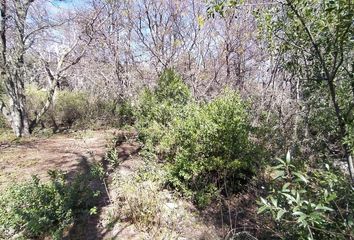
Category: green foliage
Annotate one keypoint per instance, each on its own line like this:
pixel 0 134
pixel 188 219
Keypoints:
pixel 97 170
pixel 314 42
pixel 207 146
pixel 157 108
pixel 309 204
pixel 78 109
pixel 125 112
pixel 171 89
pixel 68 107
pixel 220 7
pixel 209 149
pixel 34 209
pixel 350 138
pixel 113 157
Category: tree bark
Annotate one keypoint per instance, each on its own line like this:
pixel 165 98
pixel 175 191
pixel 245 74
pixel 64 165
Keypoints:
pixel 342 127
pixel 19 122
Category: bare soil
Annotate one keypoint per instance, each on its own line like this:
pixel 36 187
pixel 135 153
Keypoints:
pixel 71 153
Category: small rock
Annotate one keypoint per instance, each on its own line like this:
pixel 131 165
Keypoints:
pixel 172 205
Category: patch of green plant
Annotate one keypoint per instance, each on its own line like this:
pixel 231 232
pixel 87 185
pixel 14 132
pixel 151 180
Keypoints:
pixel 125 112
pixel 34 209
pixel 158 107
pixel 309 203
pixel 207 146
pixel 78 109
pixel 349 140
pixel 209 150
pixel 112 157
pixel 68 106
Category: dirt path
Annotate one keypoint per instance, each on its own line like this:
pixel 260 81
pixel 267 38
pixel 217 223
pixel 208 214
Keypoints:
pixel 67 152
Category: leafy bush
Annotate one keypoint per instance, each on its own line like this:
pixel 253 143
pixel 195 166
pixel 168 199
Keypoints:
pixel 209 150
pixel 207 145
pixel 157 108
pixel 68 107
pixel 125 112
pixel 78 108
pixel 310 203
pixel 112 157
pixel 34 209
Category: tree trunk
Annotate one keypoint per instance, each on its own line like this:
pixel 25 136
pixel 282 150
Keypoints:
pixel 19 120
pixel 342 127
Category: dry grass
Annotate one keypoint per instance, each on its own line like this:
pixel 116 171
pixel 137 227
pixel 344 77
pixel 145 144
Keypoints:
pixel 143 207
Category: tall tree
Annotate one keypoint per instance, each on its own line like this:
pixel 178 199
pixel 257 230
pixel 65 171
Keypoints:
pixel 16 40
pixel 12 65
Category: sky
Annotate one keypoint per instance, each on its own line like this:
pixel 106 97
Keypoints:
pixel 64 4
pixel 67 3
pixel 57 5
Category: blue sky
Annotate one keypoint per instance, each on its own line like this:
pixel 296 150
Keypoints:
pixel 69 4
pixel 66 3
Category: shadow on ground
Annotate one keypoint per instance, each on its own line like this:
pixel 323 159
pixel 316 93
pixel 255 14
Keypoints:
pixel 87 226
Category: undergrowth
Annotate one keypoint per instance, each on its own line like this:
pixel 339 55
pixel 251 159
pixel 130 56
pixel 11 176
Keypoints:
pixel 35 210
pixel 207 145
pixel 308 203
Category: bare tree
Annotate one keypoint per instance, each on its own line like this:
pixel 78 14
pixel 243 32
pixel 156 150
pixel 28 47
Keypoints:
pixel 18 32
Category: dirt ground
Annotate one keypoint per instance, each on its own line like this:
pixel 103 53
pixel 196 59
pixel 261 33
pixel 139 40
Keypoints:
pixel 66 152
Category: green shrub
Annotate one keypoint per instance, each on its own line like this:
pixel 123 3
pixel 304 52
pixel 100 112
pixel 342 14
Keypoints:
pixel 67 108
pixel 125 112
pixel 171 89
pixel 207 145
pixel 70 107
pixel 157 108
pixel 112 157
pixel 209 150
pixel 309 203
pixel 78 108
pixel 34 209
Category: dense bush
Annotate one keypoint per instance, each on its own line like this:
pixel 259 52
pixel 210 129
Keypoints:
pixel 68 107
pixel 210 150
pixel 207 145
pixel 78 108
pixel 124 113
pixel 157 108
pixel 34 209
pixel 309 203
